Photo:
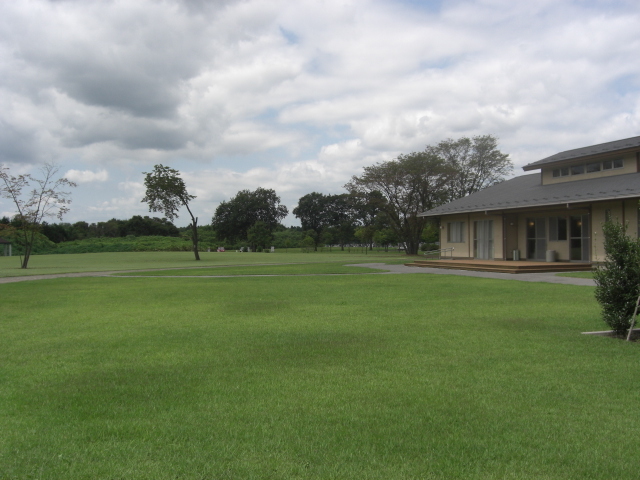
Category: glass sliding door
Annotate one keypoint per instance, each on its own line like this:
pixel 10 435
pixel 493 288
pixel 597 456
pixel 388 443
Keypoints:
pixel 536 238
pixel 483 239
pixel 579 240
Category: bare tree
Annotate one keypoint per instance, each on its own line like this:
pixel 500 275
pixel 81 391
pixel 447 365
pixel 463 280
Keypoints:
pixel 478 162
pixel 46 199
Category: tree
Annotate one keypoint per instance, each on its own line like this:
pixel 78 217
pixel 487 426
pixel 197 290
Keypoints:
pixel 166 192
pixel 618 279
pixel 477 161
pixel 318 213
pixel 409 185
pixel 48 198
pixel 233 219
pixel 311 211
pixel 384 237
pixel 259 235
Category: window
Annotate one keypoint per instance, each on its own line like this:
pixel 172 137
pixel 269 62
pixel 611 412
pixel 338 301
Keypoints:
pixel 577 170
pixel 557 229
pixel 561 172
pixel 593 167
pixel 455 232
pixel 616 163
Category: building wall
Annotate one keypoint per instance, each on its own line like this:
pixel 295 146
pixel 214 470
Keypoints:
pixel 623 211
pixel 630 166
pixel 510 229
pixel 561 247
pixel 465 249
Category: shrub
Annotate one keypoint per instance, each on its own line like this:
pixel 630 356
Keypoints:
pixel 307 244
pixel 618 279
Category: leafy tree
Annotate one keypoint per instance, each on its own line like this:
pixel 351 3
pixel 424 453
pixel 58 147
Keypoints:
pixel 618 279
pixel 318 213
pixel 48 198
pixel 234 218
pixel 166 192
pixel 141 226
pixel 288 237
pixel 259 235
pixel 409 185
pixel 477 161
pixel 56 232
pixel 365 235
pixel 312 212
pixel 385 237
pixel 307 244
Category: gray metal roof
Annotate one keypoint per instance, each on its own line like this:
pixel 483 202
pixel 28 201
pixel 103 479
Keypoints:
pixel 609 147
pixel 527 191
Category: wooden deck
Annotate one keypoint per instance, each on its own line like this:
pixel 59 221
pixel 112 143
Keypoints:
pixel 502 266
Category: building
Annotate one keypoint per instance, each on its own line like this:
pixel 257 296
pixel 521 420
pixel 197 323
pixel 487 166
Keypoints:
pixel 556 213
pixel 6 247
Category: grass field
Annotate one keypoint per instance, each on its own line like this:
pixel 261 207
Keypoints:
pixel 577 274
pixel 286 269
pixel 312 377
pixel 108 261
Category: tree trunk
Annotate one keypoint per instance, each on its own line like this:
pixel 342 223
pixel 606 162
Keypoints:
pixel 194 237
pixel 28 246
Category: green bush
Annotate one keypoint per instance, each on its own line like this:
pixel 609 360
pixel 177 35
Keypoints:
pixel 618 279
pixel 307 244
pixel 427 247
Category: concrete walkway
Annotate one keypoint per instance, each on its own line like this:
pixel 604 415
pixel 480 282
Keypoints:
pixel 391 270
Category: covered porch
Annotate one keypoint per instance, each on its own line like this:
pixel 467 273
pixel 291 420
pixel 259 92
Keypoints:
pixel 5 245
pixel 503 266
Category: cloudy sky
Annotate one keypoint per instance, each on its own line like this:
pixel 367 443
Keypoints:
pixel 299 95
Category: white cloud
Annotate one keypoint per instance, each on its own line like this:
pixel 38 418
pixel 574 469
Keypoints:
pixel 86 176
pixel 299 96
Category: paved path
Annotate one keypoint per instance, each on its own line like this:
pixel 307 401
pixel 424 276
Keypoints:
pixel 391 270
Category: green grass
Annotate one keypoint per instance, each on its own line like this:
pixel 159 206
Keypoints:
pixel 293 269
pixel 110 261
pixel 361 376
pixel 577 274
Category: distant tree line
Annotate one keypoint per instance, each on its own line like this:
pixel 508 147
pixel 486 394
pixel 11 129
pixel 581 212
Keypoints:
pixel 136 225
pixel 379 207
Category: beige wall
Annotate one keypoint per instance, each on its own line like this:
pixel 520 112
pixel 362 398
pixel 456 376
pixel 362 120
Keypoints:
pixel 630 166
pixel 625 211
pixel 465 249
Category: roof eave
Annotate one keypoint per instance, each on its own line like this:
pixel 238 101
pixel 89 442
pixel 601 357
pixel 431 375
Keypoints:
pixel 533 205
pixel 565 161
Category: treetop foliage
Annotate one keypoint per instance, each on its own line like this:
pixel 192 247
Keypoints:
pixel 234 218
pixel 166 191
pixel 477 161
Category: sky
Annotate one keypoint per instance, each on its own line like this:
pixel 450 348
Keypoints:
pixel 299 96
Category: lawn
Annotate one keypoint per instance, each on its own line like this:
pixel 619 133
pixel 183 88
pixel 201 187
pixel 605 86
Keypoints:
pixel 109 261
pixel 577 274
pixel 312 377
pixel 286 269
